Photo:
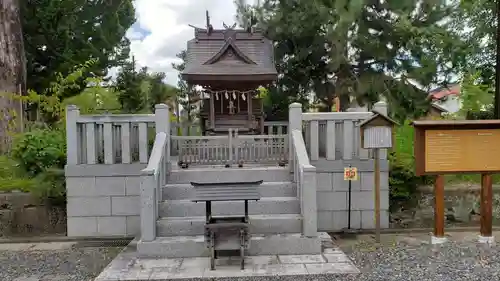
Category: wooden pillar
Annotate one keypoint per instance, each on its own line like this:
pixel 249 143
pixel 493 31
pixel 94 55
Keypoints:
pixel 439 210
pixel 486 205
pixel 377 193
pixel 250 101
pixel 212 112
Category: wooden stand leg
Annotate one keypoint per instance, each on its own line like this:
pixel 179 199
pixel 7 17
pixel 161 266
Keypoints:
pixel 246 210
pixel 486 208
pixel 212 251
pixel 377 194
pixel 242 249
pixel 439 211
pixel 208 211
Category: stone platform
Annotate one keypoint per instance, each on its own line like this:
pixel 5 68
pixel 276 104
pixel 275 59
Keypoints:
pixel 129 266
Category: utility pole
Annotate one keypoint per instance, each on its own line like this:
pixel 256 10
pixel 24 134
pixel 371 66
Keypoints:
pixel 496 112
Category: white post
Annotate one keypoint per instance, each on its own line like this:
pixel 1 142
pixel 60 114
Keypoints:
pixel 309 203
pixel 148 205
pixel 162 124
pixel 72 115
pixel 294 123
pixel 162 118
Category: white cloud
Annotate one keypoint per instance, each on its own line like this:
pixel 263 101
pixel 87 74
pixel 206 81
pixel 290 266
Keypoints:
pixel 161 30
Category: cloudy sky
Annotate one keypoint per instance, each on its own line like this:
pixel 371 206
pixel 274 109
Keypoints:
pixel 161 29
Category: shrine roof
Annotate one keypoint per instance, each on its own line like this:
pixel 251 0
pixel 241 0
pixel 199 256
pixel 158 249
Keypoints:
pixel 229 52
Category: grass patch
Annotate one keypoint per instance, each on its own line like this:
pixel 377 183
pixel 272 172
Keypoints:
pixel 12 176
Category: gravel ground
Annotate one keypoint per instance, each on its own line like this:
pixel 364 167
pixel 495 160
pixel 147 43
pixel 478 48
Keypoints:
pixel 42 263
pixel 412 257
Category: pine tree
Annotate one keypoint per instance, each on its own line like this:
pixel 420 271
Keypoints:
pixel 128 84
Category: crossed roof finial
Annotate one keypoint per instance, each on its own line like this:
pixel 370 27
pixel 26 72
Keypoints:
pixel 228 27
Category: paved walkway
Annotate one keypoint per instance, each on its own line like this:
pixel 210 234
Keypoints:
pixel 127 266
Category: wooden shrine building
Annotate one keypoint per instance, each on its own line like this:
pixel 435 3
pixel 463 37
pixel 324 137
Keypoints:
pixel 230 64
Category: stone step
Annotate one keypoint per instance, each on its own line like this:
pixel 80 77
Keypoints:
pixel 183 191
pixel 259 224
pixel 194 246
pixel 233 174
pixel 266 205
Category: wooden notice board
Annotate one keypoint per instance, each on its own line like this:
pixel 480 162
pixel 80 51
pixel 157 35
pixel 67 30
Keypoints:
pixel 443 147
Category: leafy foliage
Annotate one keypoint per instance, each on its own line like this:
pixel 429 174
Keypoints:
pixel 129 87
pixel 40 149
pixel 402 179
pixel 360 50
pixel 12 176
pixel 61 34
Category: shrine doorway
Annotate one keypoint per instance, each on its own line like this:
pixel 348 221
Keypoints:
pixel 231 104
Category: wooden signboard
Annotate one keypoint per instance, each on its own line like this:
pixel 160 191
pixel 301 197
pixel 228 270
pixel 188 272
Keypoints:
pixel 465 146
pixel 452 147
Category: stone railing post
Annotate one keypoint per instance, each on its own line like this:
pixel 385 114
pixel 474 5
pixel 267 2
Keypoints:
pixel 309 203
pixel 381 107
pixel 294 123
pixel 72 115
pixel 148 206
pixel 162 124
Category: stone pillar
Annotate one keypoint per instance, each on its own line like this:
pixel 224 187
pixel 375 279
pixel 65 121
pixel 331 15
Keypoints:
pixel 309 202
pixel 294 123
pixel 380 107
pixel 148 205
pixel 72 115
pixel 162 124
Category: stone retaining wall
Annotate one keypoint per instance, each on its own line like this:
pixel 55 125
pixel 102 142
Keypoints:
pixel 22 214
pixel 462 207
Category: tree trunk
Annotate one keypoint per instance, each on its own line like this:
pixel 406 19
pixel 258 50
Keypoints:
pixel 12 71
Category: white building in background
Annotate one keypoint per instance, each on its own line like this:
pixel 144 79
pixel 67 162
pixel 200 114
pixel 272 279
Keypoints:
pixel 447 97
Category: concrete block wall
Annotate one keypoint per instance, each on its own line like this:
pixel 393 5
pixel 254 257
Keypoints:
pixel 103 200
pixel 332 194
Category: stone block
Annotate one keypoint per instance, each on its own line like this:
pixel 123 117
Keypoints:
pixel 368 181
pixel 340 220
pixel 111 226
pixel 95 187
pixel 80 186
pixel 331 201
pixel 365 200
pixel 89 206
pixel 133 225
pixel 110 186
pixel 325 220
pixel 125 205
pixel 133 186
pixel 324 182
pixel 82 226
pixel 368 219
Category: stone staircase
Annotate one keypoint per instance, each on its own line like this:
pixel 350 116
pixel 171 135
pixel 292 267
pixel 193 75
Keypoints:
pixel 276 222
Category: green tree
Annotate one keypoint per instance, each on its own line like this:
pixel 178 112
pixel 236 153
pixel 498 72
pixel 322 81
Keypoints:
pixel 159 91
pixel 360 50
pixel 130 88
pixel 184 90
pixel 477 22
pixel 61 34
